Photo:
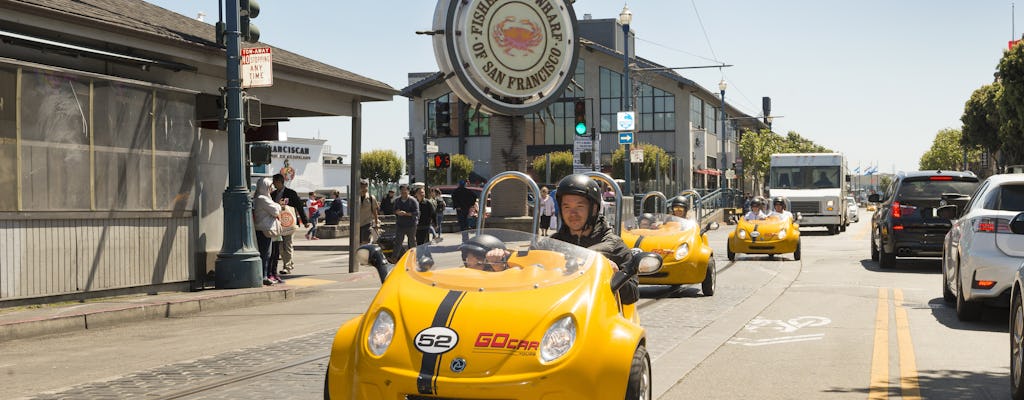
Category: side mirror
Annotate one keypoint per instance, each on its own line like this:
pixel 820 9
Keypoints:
pixel 371 254
pixel 875 198
pixel 799 216
pixel 712 226
pixel 1017 224
pixel 643 263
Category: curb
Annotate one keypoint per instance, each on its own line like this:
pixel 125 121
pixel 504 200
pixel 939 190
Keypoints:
pixel 113 312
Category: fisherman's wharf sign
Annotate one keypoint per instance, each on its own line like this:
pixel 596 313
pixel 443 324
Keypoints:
pixel 509 57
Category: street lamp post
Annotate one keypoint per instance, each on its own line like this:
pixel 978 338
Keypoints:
pixel 625 17
pixel 721 137
pixel 238 264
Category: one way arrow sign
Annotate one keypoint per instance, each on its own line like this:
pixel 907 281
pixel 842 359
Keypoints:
pixel 626 138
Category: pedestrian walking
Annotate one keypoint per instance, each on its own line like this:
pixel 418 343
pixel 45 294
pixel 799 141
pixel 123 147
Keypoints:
pixel 265 220
pixel 313 206
pixel 439 206
pixel 547 210
pixel 368 212
pixel 407 215
pixel 285 249
pixel 426 219
pixel 463 199
pixel 387 204
pixel 334 212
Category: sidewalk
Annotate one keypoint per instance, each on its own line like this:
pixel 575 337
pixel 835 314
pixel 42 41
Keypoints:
pixel 324 259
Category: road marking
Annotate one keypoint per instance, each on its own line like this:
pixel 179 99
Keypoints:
pixel 908 366
pixel 778 340
pixel 879 388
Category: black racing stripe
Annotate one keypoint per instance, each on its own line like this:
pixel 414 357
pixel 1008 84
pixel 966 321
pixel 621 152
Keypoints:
pixel 427 380
pixel 638 240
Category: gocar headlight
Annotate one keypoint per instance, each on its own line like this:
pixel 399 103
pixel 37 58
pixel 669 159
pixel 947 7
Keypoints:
pixel 782 234
pixel 682 251
pixel 558 339
pixel 742 234
pixel 381 333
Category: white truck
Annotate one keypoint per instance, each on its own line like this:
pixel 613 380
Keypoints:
pixel 814 184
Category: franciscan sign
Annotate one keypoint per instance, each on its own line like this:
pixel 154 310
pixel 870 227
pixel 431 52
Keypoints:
pixel 507 56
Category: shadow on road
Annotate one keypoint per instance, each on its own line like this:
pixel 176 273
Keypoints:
pixel 949 385
pixel 993 319
pixel 668 292
pixel 906 265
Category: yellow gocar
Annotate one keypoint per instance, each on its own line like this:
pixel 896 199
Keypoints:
pixel 550 326
pixel 687 256
pixel 769 236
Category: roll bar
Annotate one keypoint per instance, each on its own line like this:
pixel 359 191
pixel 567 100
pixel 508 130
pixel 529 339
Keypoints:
pixel 660 195
pixel 504 176
pixel 696 201
pixel 600 176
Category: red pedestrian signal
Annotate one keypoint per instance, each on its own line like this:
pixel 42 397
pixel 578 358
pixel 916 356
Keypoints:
pixel 442 160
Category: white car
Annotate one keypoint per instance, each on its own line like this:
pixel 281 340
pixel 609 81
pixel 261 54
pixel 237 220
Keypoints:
pixel 980 255
pixel 1017 323
pixel 449 208
pixel 852 210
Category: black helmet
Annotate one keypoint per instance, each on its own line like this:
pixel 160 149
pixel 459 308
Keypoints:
pixel 779 200
pixel 647 217
pixel 678 201
pixel 759 201
pixel 581 185
pixel 479 245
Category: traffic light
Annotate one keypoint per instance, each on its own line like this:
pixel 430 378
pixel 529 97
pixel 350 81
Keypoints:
pixel 581 117
pixel 443 117
pixel 442 160
pixel 249 10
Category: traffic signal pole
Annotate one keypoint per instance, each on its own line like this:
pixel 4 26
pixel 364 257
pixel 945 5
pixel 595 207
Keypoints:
pixel 238 263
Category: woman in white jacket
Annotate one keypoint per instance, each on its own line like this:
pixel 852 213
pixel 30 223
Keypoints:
pixel 265 213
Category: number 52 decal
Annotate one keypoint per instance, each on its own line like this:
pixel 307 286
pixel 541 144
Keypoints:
pixel 436 340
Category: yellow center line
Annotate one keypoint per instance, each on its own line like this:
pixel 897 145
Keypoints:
pixel 908 366
pixel 879 389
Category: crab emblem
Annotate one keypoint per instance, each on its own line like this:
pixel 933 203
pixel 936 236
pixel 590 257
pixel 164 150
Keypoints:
pixel 522 35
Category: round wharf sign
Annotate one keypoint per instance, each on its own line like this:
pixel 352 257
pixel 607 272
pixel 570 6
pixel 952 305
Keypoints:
pixel 510 57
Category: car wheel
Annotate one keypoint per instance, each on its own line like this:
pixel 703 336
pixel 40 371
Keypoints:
pixel 796 254
pixel 327 391
pixel 966 310
pixel 771 256
pixel 842 228
pixel 710 279
pixel 885 259
pixel 1016 352
pixel 728 252
pixel 639 386
pixel 874 249
pixel 947 295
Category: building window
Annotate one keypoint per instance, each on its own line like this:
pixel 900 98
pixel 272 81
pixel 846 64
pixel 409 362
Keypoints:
pixel 559 127
pixel 479 122
pixel 476 124
pixel 709 119
pixel 697 112
pixel 432 117
pixel 656 109
pixel 611 99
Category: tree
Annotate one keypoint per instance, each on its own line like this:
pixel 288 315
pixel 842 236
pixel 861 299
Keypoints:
pixel 794 143
pixel 1011 105
pixel 561 165
pixel 648 169
pixel 756 150
pixel 981 118
pixel 461 167
pixel 946 152
pixel 380 166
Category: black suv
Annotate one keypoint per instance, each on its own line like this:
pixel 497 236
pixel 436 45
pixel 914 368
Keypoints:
pixel 915 213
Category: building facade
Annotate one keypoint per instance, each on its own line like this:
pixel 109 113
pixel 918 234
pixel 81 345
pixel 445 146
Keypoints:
pixel 672 113
pixel 111 155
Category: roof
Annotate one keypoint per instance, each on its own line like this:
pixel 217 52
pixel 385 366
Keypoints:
pixel 1006 178
pixel 915 174
pixel 139 17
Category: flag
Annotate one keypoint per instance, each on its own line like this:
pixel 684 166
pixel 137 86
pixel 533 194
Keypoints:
pixel 857 170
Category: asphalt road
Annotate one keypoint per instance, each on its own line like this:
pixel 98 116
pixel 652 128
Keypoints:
pixel 832 325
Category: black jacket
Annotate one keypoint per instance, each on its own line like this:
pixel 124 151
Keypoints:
pixel 293 200
pixel 427 215
pixel 463 199
pixel 603 239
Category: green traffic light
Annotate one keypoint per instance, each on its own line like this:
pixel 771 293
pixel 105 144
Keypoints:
pixel 581 129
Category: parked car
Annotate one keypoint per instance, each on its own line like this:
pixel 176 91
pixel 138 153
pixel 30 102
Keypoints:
pixel 852 210
pixel 916 212
pixel 1017 322
pixel 449 204
pixel 980 255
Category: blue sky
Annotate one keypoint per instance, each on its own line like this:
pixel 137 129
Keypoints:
pixel 873 79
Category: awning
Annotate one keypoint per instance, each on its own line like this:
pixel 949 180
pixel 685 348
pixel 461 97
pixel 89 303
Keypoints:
pixel 714 172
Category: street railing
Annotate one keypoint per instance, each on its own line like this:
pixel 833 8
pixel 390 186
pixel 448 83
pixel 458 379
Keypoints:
pixel 719 199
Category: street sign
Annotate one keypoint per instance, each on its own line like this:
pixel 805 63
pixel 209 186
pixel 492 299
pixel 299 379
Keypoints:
pixel 636 156
pixel 626 121
pixel 257 67
pixel 432 148
pixel 626 138
pixel 730 174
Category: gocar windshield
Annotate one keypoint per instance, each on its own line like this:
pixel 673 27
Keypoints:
pixel 805 177
pixel 529 262
pixel 659 225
